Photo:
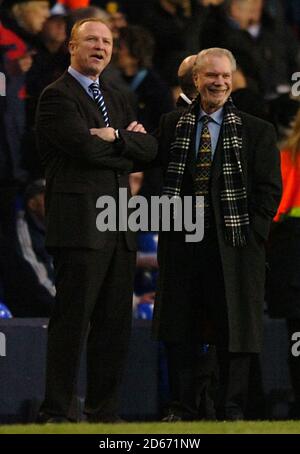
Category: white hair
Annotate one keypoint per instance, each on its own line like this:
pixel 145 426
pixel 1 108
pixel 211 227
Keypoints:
pixel 215 52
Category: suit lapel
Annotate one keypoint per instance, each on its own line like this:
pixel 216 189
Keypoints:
pixel 79 93
pixel 113 115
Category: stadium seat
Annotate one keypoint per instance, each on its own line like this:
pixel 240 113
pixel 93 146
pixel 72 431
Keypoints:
pixel 4 311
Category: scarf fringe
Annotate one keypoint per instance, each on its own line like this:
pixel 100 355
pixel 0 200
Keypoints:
pixel 235 237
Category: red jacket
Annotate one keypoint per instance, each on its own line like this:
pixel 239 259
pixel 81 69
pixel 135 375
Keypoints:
pixel 15 48
pixel 290 172
pixel 73 4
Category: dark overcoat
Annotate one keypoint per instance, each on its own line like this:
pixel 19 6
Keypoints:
pixel 243 267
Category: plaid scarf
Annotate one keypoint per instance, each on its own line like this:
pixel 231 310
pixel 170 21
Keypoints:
pixel 233 192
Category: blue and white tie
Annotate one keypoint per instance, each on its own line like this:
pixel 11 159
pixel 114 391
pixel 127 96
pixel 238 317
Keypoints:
pixel 98 97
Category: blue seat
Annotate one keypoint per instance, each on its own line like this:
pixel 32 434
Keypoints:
pixel 4 311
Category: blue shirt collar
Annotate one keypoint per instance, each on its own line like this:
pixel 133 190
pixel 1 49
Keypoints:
pixel 216 116
pixel 83 80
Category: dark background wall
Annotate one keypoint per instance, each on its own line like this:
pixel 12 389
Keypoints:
pixel 22 372
pixel 144 390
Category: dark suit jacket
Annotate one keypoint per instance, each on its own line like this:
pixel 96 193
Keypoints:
pixel 80 167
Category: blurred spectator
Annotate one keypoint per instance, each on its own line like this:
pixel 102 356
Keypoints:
pixel 146 275
pixel 292 9
pixel 29 15
pixel 77 14
pixel 73 4
pixel 50 61
pixel 247 98
pixel 84 13
pixel 117 18
pixel 186 91
pixel 175 25
pixel 29 287
pixel 153 96
pixel 246 28
pixel 135 54
pixel 211 2
pixel 283 293
pixel 290 169
pixel 276 9
pixel 282 112
pixel 20 22
pixel 146 264
pixel 131 9
pixel 54 33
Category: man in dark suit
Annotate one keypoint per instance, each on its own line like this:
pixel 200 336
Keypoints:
pixel 212 291
pixel 89 142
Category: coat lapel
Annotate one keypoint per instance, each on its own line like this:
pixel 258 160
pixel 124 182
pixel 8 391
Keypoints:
pixel 191 158
pixel 216 169
pixel 79 93
pixel 112 113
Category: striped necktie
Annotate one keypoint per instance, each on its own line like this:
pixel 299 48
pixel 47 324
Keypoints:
pixel 98 97
pixel 203 169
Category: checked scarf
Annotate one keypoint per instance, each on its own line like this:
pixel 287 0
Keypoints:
pixel 233 192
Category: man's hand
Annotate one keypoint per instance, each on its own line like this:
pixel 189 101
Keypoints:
pixel 20 65
pixel 136 127
pixel 26 61
pixel 107 134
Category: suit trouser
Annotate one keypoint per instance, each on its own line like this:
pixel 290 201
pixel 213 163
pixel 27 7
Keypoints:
pixel 191 373
pixel 93 305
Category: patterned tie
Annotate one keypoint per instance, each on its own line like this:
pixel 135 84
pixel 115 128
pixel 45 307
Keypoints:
pixel 98 97
pixel 203 169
